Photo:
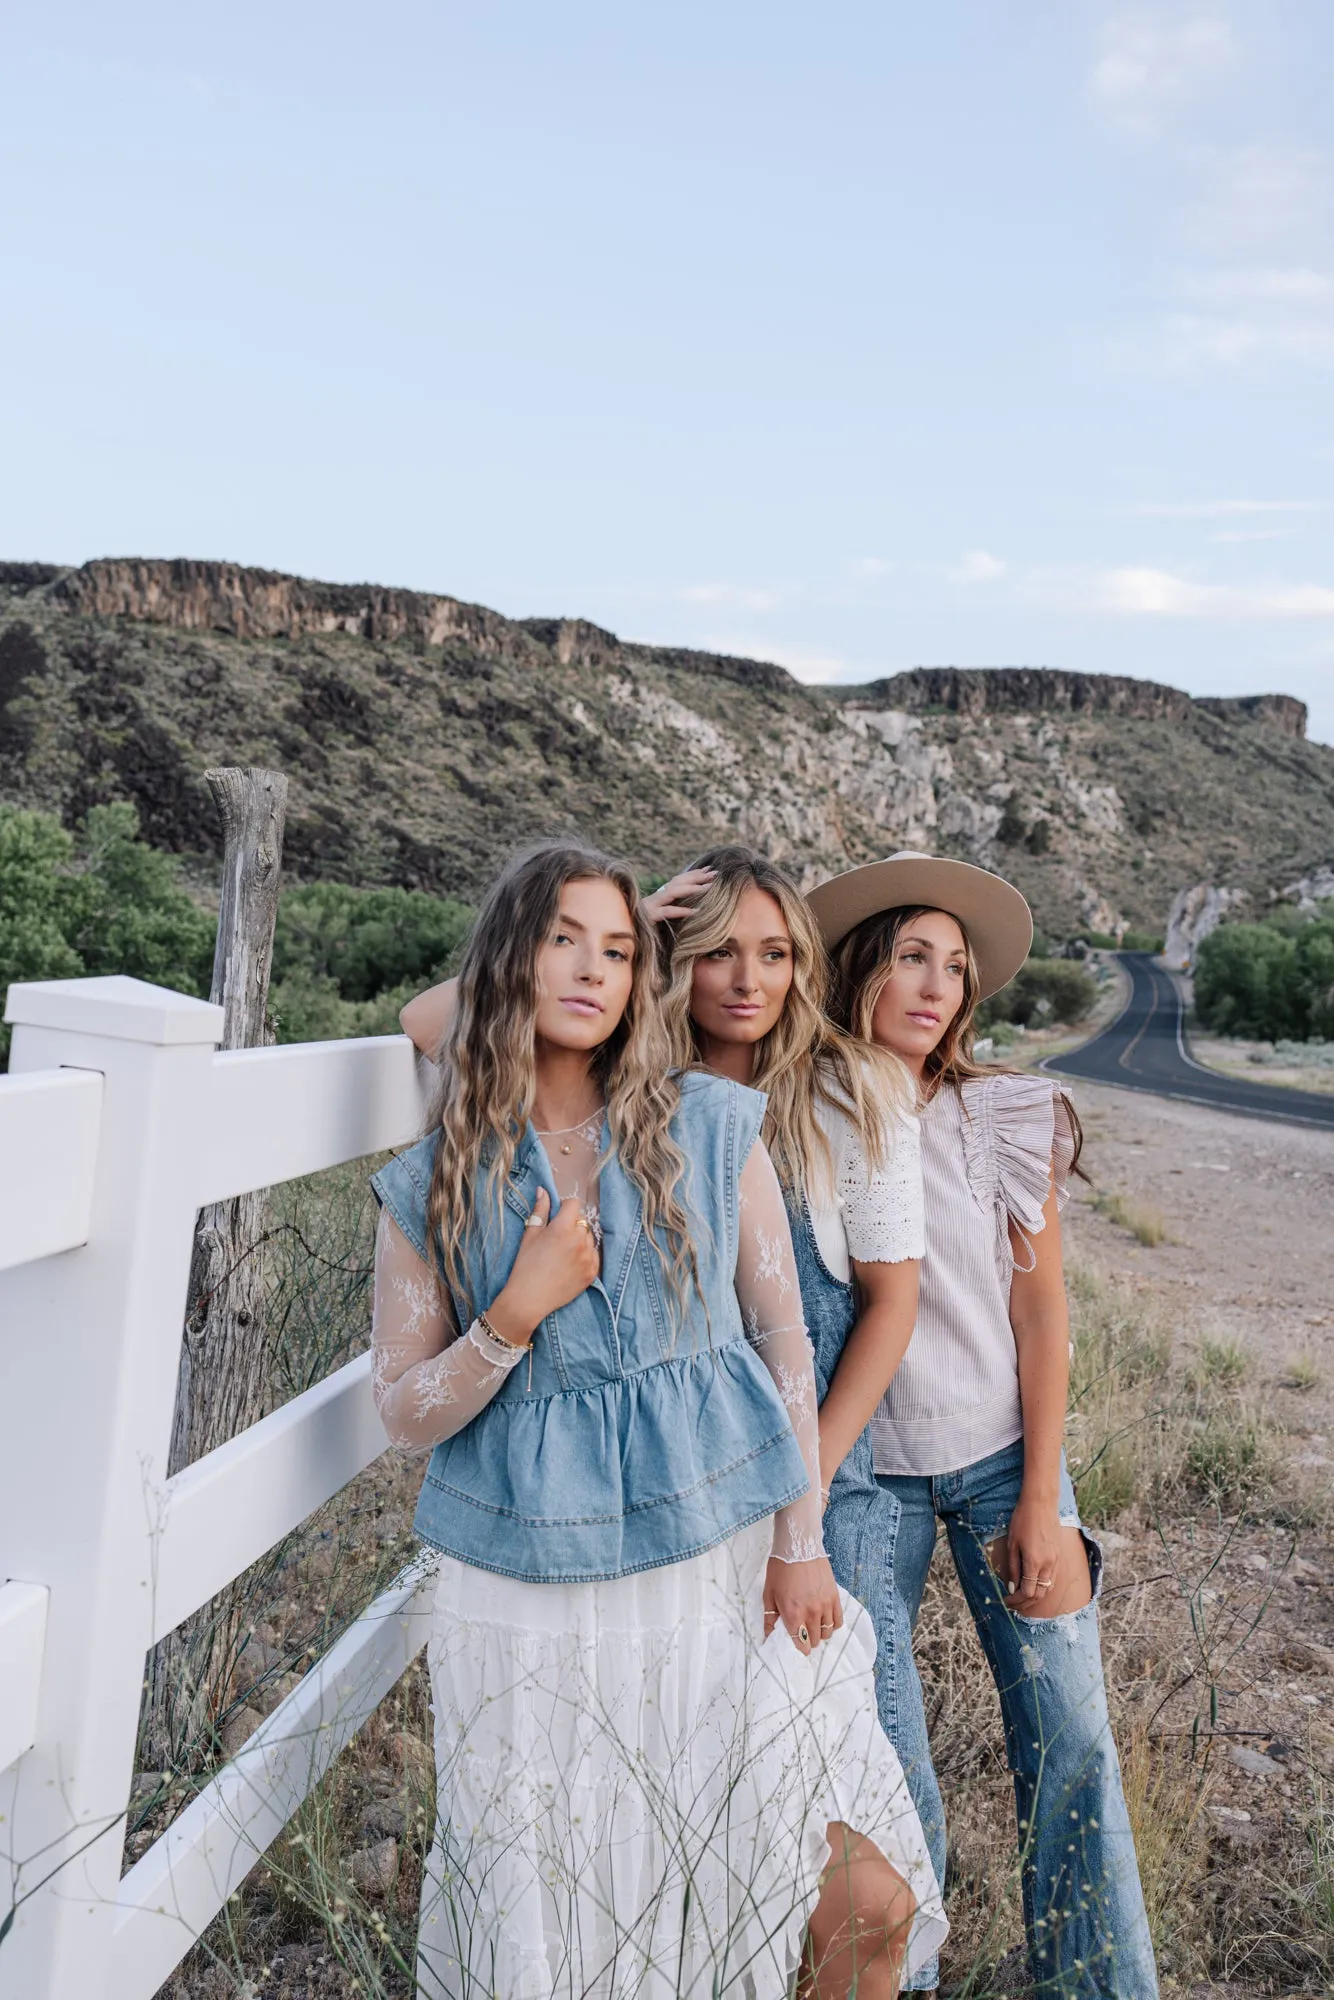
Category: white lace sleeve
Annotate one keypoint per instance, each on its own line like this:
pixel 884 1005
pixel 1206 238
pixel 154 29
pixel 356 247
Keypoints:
pixel 770 1298
pixel 428 1383
pixel 882 1206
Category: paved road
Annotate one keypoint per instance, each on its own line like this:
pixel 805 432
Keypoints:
pixel 1145 1049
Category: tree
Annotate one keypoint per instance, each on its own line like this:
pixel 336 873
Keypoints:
pixel 346 959
pixel 1246 983
pixel 101 901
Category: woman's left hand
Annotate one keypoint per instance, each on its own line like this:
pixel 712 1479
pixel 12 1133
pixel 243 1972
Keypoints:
pixel 1032 1553
pixel 805 1596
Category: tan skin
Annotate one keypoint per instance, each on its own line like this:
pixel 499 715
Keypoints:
pixel 1044 1565
pixel 859 1927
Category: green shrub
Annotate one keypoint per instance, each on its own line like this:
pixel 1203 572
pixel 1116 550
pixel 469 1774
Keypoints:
pixel 367 941
pixel 102 900
pixel 1269 980
pixel 96 902
pixel 1045 990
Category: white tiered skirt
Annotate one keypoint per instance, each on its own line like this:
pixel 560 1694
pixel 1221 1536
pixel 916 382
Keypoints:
pixel 634 1785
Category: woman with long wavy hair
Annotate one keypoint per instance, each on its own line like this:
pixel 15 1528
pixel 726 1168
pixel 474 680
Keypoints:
pixel 747 994
pixel 660 1771
pixel 969 1434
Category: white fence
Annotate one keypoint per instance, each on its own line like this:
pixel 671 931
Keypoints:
pixel 118 1120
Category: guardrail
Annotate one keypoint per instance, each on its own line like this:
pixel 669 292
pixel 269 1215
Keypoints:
pixel 118 1121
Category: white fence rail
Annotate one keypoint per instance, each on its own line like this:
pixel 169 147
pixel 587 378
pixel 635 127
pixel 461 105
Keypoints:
pixel 118 1121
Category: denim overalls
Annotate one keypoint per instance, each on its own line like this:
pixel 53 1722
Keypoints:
pixel 640 1435
pixel 861 1520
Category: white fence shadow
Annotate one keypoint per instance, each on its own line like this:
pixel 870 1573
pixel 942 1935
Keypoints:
pixel 118 1121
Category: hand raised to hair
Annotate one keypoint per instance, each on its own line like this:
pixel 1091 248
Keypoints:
pixel 556 1261
pixel 671 900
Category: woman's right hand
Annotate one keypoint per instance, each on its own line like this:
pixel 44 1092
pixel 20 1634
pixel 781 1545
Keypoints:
pixel 670 901
pixel 557 1260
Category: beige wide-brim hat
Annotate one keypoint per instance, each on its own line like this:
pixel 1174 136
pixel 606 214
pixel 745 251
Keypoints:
pixel 998 921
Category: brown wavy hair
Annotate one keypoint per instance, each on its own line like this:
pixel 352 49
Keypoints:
pixel 805 1057
pixel 863 963
pixel 488 1064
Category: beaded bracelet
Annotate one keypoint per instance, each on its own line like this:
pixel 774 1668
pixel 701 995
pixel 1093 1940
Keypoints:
pixel 507 1347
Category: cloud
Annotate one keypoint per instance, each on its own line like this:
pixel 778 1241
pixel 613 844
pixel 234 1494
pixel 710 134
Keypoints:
pixel 1185 343
pixel 978 567
pixel 866 566
pixel 736 596
pixel 1213 510
pixel 1156 593
pixel 1147 65
pixel 1252 535
pixel 1249 286
pixel 1258 195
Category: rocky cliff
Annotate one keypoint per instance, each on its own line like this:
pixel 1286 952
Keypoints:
pixel 1049 690
pixel 424 736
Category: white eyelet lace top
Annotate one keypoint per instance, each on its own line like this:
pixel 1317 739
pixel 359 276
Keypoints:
pixel 873 1214
pixel 430 1381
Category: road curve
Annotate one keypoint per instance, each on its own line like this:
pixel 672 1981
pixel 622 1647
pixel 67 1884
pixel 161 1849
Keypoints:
pixel 1145 1049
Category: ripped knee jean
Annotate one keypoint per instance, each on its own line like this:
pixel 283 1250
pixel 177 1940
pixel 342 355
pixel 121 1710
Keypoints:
pixel 1084 1915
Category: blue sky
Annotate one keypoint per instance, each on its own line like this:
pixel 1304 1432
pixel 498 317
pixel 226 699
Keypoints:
pixel 854 337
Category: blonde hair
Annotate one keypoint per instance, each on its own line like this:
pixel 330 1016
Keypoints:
pixel 488 1064
pixel 805 1057
pixel 863 964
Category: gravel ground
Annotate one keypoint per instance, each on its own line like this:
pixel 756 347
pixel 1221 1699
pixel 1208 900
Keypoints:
pixel 1249 1212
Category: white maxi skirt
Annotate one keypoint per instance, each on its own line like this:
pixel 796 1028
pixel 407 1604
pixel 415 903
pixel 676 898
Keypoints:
pixel 633 1785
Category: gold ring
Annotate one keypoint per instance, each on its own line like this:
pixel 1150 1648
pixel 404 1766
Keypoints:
pixel 803 1635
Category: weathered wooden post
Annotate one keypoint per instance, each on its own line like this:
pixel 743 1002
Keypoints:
pixel 223 1378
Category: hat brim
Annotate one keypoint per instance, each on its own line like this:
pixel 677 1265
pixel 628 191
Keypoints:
pixel 995 916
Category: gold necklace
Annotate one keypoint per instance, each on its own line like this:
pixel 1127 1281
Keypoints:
pixel 555 1131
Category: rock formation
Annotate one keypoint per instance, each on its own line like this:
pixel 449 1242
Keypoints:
pixel 424 737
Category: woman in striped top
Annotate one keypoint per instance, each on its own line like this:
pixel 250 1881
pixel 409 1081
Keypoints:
pixel 969 1432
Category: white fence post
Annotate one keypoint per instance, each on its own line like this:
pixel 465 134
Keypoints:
pixel 89 1342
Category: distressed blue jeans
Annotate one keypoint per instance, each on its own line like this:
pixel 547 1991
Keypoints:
pixel 1088 1934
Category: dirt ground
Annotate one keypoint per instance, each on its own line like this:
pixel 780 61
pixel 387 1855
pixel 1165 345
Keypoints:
pixel 1236 1058
pixel 1249 1212
pixel 1247 1600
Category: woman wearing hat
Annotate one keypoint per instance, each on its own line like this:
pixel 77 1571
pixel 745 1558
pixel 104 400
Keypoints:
pixel 969 1433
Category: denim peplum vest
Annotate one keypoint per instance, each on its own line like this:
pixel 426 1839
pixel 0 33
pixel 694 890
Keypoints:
pixel 636 1438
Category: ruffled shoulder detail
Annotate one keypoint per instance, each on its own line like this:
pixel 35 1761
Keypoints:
pixel 1017 1137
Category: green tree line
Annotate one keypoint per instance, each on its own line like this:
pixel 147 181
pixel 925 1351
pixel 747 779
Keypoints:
pixel 102 900
pixel 344 959
pixel 1269 981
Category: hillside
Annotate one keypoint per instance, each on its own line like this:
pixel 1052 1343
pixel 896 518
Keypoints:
pixel 425 737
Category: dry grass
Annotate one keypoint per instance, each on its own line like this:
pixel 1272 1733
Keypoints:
pixel 1220 1362
pixel 1167 1792
pixel 1145 1224
pixel 1167 1440
pixel 1302 1372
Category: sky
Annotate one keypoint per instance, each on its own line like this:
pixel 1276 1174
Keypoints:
pixel 854 337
